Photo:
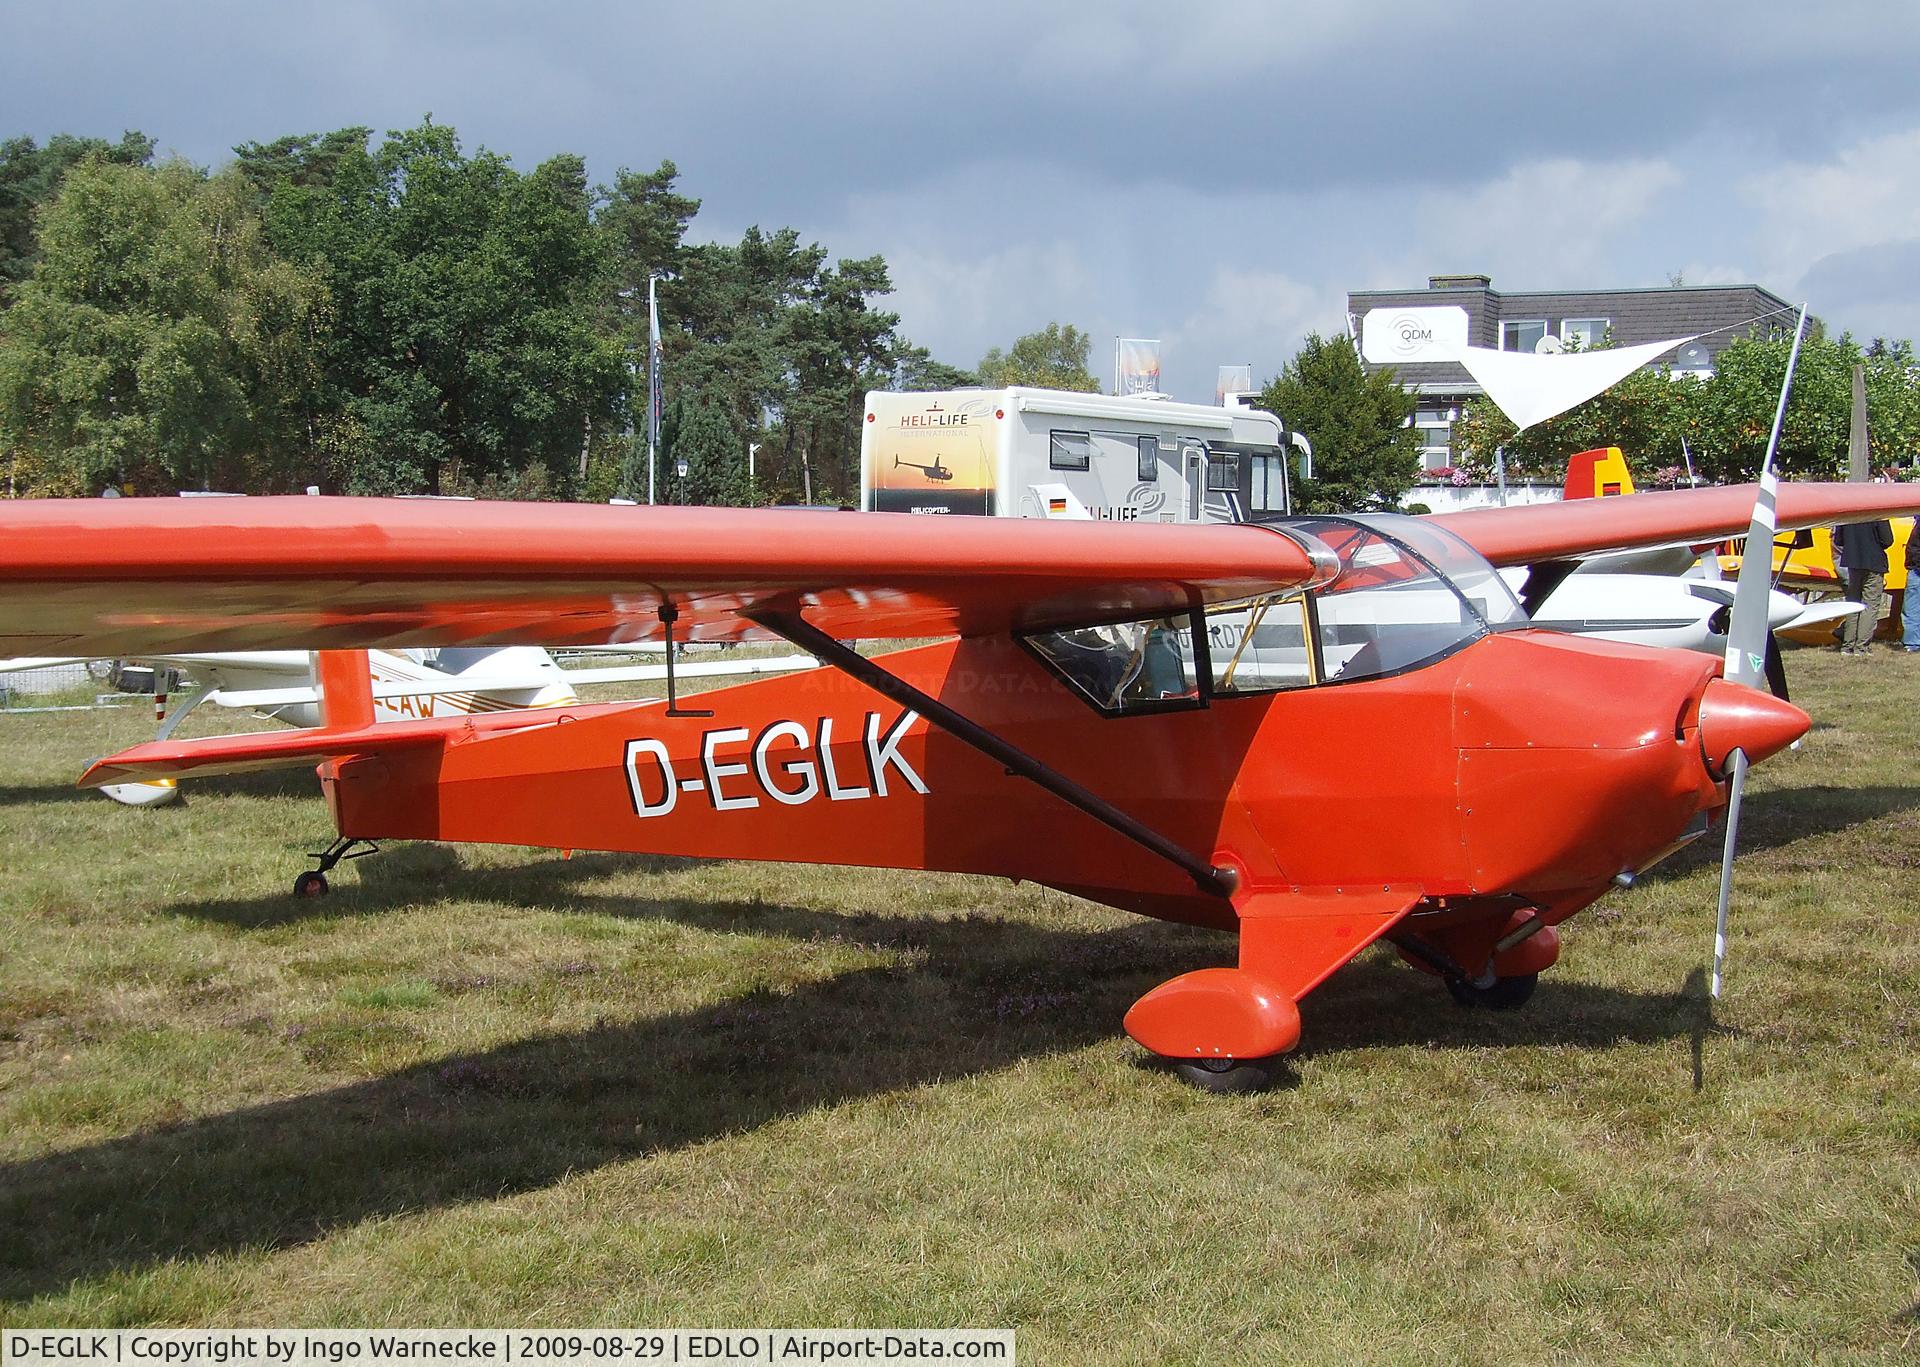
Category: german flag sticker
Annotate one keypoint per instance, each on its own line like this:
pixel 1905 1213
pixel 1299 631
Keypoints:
pixel 1056 505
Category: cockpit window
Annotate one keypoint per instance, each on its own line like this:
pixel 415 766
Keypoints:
pixel 1387 610
pixel 1465 568
pixel 1127 666
pixel 459 659
pixel 1261 645
pixel 1391 593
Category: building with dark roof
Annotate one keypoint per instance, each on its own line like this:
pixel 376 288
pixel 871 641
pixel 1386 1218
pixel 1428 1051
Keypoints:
pixel 1407 329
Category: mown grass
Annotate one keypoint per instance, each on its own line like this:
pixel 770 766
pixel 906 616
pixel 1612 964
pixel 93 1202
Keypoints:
pixel 482 1086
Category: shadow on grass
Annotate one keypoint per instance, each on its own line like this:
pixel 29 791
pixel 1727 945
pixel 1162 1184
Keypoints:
pixel 985 995
pixel 34 795
pixel 1782 816
pixel 275 783
pixel 411 873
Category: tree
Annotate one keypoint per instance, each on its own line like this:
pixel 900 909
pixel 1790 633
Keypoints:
pixel 159 343
pixel 917 369
pixel 1647 415
pixel 787 346
pixel 1053 358
pixel 465 342
pixel 1365 454
pixel 700 431
pixel 305 160
pixel 30 176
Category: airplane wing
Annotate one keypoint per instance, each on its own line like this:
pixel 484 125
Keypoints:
pixel 118 576
pixel 1588 526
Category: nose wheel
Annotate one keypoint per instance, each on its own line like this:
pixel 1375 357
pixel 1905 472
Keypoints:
pixel 313 883
pixel 1223 1076
pixel 1502 994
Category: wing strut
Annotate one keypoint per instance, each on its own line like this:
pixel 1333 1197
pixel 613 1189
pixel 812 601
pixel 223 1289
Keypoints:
pixel 1218 881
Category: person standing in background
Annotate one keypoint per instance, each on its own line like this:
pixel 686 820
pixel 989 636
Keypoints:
pixel 1910 608
pixel 1861 549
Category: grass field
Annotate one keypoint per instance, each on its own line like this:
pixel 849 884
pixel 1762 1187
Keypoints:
pixel 494 1087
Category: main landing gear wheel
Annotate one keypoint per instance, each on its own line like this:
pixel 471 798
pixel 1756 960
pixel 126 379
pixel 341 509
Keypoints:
pixel 1226 1075
pixel 1502 994
pixel 312 883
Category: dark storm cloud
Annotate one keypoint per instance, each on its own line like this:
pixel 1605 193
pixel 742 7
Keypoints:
pixel 789 105
pixel 1211 174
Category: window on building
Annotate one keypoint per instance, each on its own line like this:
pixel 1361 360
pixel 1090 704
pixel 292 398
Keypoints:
pixel 1435 432
pixel 1070 450
pixel 1522 336
pixel 1585 333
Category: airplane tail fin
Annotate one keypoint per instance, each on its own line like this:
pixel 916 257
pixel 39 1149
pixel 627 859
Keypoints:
pixel 1600 473
pixel 345 684
pixel 345 679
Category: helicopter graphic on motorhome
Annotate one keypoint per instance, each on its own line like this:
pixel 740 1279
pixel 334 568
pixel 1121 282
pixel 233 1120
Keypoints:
pixel 933 471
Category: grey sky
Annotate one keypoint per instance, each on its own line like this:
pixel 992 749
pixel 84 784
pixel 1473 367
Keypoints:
pixel 1218 179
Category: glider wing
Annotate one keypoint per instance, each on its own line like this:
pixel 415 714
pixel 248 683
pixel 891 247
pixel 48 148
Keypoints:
pixel 1590 526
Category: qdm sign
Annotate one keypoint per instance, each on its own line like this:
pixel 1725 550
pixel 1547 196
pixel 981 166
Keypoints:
pixel 1413 335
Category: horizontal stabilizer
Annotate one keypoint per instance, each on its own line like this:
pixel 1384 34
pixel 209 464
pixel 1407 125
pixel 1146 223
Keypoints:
pixel 246 753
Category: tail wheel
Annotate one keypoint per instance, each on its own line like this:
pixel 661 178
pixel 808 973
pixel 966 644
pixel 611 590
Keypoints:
pixel 312 883
pixel 1502 994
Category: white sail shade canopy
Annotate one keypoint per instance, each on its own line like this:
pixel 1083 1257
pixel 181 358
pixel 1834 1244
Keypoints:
pixel 1531 388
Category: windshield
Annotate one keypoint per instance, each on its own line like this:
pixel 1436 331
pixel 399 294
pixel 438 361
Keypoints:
pixel 1464 567
pixel 1387 609
pixel 1389 594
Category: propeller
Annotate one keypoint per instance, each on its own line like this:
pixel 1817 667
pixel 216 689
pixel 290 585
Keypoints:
pixel 1746 658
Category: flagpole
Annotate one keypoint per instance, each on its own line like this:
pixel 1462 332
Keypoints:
pixel 653 382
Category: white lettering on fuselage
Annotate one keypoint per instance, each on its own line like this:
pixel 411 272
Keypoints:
pixel 784 762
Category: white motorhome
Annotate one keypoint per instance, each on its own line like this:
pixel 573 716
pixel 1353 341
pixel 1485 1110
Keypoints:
pixel 1055 453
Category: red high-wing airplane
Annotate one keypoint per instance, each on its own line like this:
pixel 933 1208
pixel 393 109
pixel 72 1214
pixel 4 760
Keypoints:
pixel 1316 731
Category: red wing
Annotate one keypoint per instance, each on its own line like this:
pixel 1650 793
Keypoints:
pixel 1588 526
pixel 119 576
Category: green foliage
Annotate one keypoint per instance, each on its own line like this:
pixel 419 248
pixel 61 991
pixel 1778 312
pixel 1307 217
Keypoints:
pixel 1053 358
pixel 159 343
pixel 1364 453
pixel 786 346
pixel 29 177
pixel 918 370
pixel 305 161
pixel 1725 421
pixel 410 318
pixel 1646 413
pixel 701 432
pixel 464 344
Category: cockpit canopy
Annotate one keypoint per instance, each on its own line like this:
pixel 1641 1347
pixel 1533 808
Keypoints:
pixel 1399 593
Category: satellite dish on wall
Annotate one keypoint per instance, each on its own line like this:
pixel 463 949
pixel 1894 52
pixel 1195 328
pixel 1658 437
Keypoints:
pixel 1548 345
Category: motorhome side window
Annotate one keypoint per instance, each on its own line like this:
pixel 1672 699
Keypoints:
pixel 1070 451
pixel 1149 468
pixel 1223 472
pixel 1269 490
